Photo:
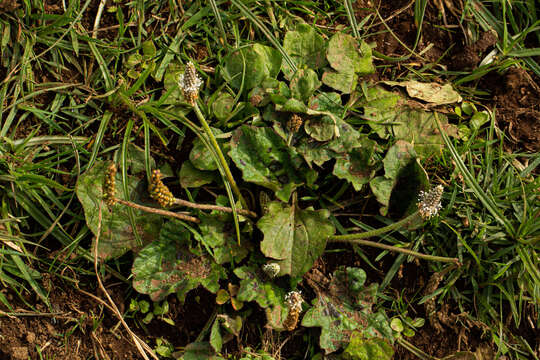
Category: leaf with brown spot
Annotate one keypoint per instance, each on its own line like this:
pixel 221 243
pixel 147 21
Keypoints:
pixel 341 312
pixel 251 65
pixel 116 235
pixel 306 48
pixel 167 266
pixel 294 237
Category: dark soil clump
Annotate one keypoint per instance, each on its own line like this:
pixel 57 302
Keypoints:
pixel 516 95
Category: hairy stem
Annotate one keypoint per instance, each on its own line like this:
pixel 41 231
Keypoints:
pixel 358 238
pixel 400 250
pixel 213 207
pixel 158 211
pixel 377 232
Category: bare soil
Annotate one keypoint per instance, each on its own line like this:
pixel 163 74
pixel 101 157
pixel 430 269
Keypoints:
pixel 77 328
pixel 516 94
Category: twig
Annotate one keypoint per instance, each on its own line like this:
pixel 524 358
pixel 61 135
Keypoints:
pixel 158 211
pixel 213 207
pixel 141 345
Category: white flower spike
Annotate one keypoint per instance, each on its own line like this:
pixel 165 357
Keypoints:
pixel 190 83
pixel 271 269
pixel 294 303
pixel 429 203
pixel 294 300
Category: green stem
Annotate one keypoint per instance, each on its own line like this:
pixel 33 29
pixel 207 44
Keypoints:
pixel 413 349
pixel 377 232
pixel 399 250
pixel 358 238
pixel 217 148
pixel 207 326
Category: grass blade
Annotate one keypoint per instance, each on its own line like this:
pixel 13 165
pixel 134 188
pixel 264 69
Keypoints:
pixel 472 183
pixel 352 19
pixel 247 13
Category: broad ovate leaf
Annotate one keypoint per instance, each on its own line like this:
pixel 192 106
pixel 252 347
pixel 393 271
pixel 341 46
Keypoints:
pixel 251 64
pixel 398 156
pixel 348 59
pixel 222 106
pixel 390 116
pixel 382 189
pixel 167 266
pixel 327 101
pixel 338 147
pixel 305 47
pixel 117 234
pixel 255 286
pixel 294 237
pixel 293 106
pixel 380 108
pixel 361 348
pixel 203 159
pixel 403 178
pixel 345 53
pixel 266 160
pixel 419 128
pixel 478 119
pixel 320 129
pixel 344 81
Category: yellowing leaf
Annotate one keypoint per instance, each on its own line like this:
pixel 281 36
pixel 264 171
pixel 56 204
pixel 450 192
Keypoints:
pixel 430 92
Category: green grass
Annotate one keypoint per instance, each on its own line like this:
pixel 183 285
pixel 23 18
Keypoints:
pixel 73 96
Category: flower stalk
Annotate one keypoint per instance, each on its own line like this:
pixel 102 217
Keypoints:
pixel 161 193
pixel 429 204
pixel 377 232
pixel 220 155
pixel 162 212
pixel 405 251
pixel 190 84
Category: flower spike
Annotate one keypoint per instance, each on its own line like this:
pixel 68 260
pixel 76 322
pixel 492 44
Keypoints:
pixel 159 191
pixel 190 82
pixel 429 203
pixel 271 269
pixel 294 303
pixel 109 185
